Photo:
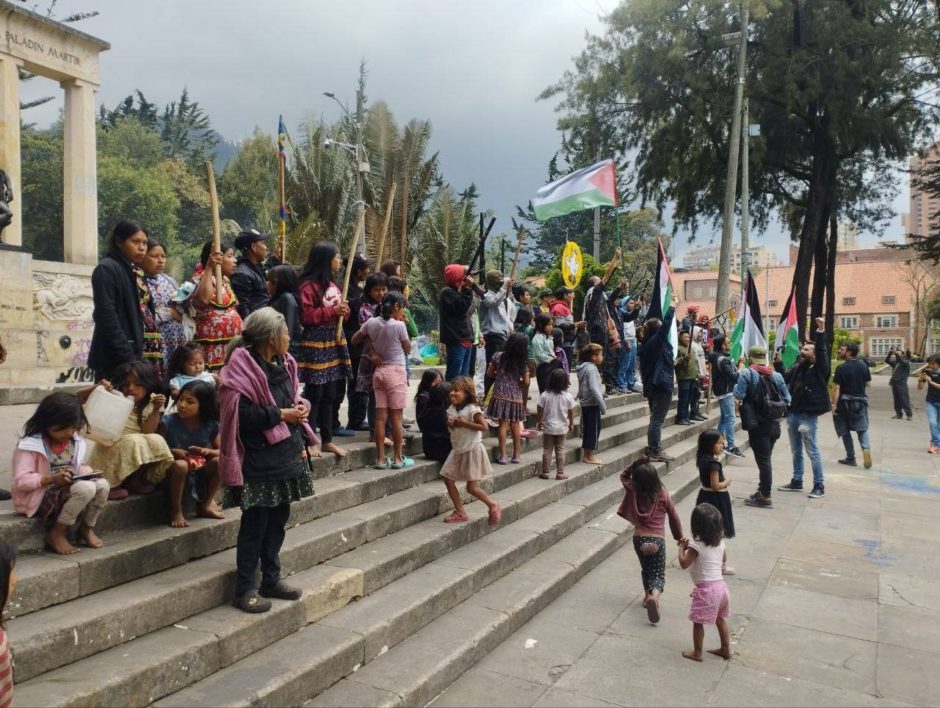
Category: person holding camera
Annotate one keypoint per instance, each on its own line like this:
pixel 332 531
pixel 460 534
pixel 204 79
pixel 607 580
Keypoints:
pixel 930 377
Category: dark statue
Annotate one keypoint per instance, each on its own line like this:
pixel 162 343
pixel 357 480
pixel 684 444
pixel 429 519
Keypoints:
pixel 6 196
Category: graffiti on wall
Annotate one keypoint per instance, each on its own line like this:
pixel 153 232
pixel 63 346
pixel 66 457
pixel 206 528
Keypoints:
pixel 76 374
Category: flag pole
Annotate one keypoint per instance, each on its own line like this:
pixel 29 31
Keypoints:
pixel 282 205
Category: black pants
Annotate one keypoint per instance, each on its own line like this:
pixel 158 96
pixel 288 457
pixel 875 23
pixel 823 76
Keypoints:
pixel 358 402
pixel 260 536
pixel 321 397
pixel 652 567
pixel 762 442
pixel 493 342
pixel 696 397
pixel 590 426
pixel 902 398
pixel 659 401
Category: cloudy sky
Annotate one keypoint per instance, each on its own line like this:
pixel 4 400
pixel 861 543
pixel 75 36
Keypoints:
pixel 473 68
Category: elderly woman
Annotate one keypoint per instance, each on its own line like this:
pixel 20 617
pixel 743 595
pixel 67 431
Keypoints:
pixel 217 318
pixel 263 461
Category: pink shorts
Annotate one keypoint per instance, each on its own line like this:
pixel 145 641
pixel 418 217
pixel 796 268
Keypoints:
pixel 710 600
pixel 390 385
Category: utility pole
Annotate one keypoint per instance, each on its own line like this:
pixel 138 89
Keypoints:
pixel 724 259
pixel 745 195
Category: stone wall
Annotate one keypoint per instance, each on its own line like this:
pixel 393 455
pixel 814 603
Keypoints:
pixel 45 320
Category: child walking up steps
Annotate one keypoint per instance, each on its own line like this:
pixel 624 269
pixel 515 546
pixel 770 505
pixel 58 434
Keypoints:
pixel 468 460
pixel 556 419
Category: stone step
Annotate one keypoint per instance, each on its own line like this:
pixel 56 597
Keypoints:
pixel 327 588
pixel 150 510
pixel 509 574
pixel 91 624
pixel 46 579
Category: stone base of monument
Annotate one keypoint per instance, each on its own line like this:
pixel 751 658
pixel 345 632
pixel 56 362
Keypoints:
pixel 45 324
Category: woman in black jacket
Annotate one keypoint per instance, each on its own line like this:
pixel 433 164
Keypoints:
pixel 118 337
pixel 263 452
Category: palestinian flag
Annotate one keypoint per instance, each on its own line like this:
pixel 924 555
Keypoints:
pixel 590 187
pixel 661 299
pixel 788 335
pixel 748 329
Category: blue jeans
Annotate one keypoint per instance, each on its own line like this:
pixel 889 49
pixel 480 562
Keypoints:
pixel 685 398
pixel 863 440
pixel 933 417
pixel 726 423
pixel 458 361
pixel 802 430
pixel 626 367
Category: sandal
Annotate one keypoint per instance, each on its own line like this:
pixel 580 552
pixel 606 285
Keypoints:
pixel 561 476
pixel 496 513
pixel 652 610
pixel 544 475
pixel 456 518
pixel 514 461
pixel 252 603
pixel 502 461
pixel 405 462
pixel 383 465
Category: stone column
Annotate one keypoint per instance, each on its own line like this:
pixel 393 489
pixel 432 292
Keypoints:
pixel 80 184
pixel 10 142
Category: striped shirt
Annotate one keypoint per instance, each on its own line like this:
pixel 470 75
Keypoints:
pixel 6 673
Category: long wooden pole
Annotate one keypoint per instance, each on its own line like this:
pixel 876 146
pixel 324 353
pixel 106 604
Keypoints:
pixel 389 207
pixel 360 226
pixel 281 226
pixel 515 260
pixel 216 231
pixel 404 222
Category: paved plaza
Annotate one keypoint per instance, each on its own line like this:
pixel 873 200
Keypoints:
pixel 836 601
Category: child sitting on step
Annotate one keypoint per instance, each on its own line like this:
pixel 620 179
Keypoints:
pixel 49 479
pixel 556 420
pixel 468 460
pixel 188 364
pixel 430 379
pixel 647 505
pixel 432 422
pixel 140 458
pixel 192 433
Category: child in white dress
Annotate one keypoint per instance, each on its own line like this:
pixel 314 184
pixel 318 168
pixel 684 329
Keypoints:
pixel 468 460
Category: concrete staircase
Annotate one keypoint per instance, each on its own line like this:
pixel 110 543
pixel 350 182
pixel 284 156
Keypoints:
pixel 396 604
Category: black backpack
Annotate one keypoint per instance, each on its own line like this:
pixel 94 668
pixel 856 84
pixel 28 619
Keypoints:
pixel 762 404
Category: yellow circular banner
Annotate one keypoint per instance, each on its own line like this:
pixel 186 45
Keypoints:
pixel 571 264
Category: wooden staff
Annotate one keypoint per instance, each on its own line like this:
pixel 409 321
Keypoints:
pixel 360 225
pixel 282 207
pixel 388 220
pixel 515 260
pixel 708 393
pixel 216 232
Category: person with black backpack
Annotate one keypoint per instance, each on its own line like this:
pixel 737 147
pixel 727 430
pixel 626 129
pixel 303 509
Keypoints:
pixel 762 397
pixel 808 381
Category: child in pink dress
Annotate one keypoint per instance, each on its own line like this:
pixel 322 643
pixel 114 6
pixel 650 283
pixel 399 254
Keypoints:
pixel 468 460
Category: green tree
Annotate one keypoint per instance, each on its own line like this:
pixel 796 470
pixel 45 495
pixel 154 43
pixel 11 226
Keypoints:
pixel 42 191
pixel 838 88
pixel 248 186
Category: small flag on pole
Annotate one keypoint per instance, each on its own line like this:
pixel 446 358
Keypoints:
pixel 590 187
pixel 661 299
pixel 281 165
pixel 748 329
pixel 788 335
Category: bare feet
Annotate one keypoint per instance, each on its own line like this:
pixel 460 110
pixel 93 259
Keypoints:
pixel 314 451
pixel 694 656
pixel 592 461
pixel 723 653
pixel 58 541
pixel 335 449
pixel 178 522
pixel 209 511
pixel 88 535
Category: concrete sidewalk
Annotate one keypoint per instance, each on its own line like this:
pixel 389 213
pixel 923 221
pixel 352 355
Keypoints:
pixel 836 600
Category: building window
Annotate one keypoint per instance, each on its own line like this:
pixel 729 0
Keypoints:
pixel 713 291
pixel 886 321
pixel 879 346
pixel 697 293
pixel 848 322
pixel 887 299
pixel 848 301
pixel 771 303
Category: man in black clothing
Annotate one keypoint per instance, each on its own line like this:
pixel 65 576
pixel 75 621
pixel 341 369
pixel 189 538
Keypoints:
pixel 808 381
pixel 248 281
pixel 724 376
pixel 900 363
pixel 657 369
pixel 850 403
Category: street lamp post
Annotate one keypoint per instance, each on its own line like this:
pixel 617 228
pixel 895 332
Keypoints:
pixel 358 152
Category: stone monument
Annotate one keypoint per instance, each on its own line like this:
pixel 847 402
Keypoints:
pixel 46 307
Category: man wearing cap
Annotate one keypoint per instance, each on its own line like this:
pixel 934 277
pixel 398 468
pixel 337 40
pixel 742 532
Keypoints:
pixel 496 315
pixel 765 434
pixel 248 280
pixel 808 380
pixel 546 297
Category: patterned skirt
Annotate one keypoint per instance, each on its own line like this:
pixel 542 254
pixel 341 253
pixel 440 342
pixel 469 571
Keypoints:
pixel 215 327
pixel 320 358
pixel 269 494
pixel 507 402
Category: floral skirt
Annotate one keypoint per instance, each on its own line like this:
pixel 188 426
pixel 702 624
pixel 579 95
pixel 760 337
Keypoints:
pixel 320 358
pixel 505 409
pixel 268 494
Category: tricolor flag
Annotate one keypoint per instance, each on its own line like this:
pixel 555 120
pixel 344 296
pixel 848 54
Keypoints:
pixel 281 166
pixel 788 335
pixel 748 329
pixel 590 187
pixel 661 299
